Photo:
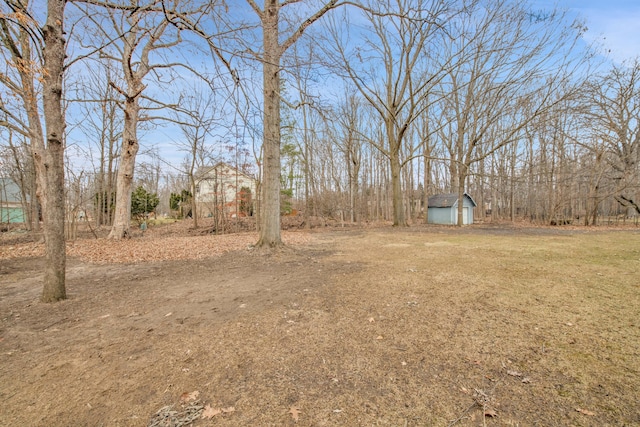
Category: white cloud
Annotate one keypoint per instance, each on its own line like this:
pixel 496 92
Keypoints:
pixel 620 33
pixel 612 25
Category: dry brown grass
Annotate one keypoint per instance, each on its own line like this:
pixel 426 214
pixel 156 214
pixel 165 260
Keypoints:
pixel 419 327
pixel 546 325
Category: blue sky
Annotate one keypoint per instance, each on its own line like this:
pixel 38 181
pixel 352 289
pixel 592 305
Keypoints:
pixel 614 24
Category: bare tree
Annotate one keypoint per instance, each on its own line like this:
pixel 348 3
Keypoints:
pixel 615 118
pixel 391 70
pixel 509 60
pixel 138 36
pixel 350 142
pixel 19 103
pixel 17 163
pixel 145 34
pixel 272 51
pixel 304 105
pixel 38 54
pixel 197 123
pixel 101 123
pixel 49 156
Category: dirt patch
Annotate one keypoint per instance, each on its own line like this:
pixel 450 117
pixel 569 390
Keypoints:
pixel 425 326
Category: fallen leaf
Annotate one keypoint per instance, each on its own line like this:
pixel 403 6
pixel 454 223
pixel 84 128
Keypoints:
pixel 371 320
pixel 188 397
pixel 514 373
pixel 295 413
pixel 379 337
pixel 490 413
pixel 210 412
pixel 586 412
pixel 526 380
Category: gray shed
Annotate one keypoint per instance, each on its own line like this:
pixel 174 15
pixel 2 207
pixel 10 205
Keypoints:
pixel 11 209
pixel 443 209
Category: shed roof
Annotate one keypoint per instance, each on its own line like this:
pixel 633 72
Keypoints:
pixel 447 200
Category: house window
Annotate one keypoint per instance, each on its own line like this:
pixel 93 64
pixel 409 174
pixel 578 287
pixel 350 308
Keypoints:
pixel 197 189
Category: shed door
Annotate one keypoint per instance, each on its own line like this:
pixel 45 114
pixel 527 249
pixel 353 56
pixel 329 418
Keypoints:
pixel 465 215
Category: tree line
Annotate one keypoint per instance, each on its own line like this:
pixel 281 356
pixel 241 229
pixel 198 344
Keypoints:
pixel 356 110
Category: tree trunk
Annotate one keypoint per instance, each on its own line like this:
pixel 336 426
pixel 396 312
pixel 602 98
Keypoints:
pixel 594 212
pixel 270 210
pixel 399 218
pixel 50 160
pixel 34 207
pixel 194 201
pixel 462 178
pixel 36 136
pixel 122 216
pixel 273 50
pixel 354 189
pixel 192 182
pixel 512 184
pixel 426 184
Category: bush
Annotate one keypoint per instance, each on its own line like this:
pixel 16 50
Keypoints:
pixel 142 203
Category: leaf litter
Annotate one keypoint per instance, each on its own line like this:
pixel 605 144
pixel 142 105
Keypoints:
pixel 151 248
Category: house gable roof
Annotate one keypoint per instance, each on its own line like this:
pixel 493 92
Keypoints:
pixel 205 172
pixel 447 200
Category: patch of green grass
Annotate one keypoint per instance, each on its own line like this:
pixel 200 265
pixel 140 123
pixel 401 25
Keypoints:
pixel 162 221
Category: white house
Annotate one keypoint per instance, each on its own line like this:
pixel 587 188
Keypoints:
pixel 226 189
